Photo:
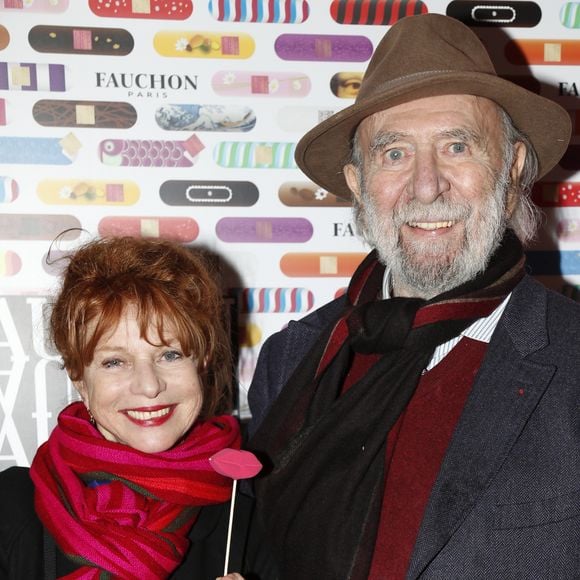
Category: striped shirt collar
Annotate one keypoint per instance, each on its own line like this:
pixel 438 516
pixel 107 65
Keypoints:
pixel 482 329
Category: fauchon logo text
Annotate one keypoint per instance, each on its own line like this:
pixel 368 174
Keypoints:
pixel 569 89
pixel 146 85
pixel 342 230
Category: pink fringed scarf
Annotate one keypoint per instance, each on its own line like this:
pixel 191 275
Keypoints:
pixel 135 525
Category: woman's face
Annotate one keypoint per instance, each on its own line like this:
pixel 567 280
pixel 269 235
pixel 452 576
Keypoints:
pixel 141 395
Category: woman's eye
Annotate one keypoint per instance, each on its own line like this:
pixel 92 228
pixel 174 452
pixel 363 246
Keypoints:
pixel 172 355
pixel 111 363
pixel 351 84
pixel 458 148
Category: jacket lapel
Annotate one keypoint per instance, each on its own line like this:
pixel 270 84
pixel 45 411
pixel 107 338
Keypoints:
pixel 505 393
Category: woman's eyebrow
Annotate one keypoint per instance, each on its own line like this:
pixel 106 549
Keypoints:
pixel 110 348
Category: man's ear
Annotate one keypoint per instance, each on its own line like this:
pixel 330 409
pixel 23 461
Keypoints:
pixel 515 174
pixel 351 175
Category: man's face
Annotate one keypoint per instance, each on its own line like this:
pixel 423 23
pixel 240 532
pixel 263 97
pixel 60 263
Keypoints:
pixel 434 190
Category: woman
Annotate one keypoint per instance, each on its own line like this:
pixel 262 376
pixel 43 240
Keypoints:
pixel 123 488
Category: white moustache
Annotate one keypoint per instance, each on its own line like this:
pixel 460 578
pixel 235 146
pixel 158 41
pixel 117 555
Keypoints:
pixel 437 212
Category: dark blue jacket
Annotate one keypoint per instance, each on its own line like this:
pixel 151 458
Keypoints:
pixel 506 502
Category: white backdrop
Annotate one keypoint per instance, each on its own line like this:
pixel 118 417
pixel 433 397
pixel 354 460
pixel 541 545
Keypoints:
pixel 144 116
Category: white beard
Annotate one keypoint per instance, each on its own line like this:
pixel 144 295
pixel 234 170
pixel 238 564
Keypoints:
pixel 430 267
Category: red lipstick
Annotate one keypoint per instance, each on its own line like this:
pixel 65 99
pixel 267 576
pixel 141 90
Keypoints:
pixel 150 416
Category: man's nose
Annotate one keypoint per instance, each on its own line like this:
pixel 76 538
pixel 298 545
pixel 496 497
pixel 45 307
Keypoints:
pixel 428 181
pixel 147 380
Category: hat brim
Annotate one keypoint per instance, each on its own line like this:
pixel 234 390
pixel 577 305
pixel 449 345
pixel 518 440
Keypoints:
pixel 323 151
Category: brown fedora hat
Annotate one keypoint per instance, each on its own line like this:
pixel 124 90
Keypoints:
pixel 426 56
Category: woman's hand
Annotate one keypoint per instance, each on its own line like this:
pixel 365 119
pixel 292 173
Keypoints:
pixel 232 576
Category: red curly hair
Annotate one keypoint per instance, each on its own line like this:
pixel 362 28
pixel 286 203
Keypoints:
pixel 167 283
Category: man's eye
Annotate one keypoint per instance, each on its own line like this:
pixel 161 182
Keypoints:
pixel 458 148
pixel 394 155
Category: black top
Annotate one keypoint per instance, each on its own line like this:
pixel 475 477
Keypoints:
pixel 24 542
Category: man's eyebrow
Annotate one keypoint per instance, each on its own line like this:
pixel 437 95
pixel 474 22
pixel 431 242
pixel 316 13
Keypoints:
pixel 385 138
pixel 462 134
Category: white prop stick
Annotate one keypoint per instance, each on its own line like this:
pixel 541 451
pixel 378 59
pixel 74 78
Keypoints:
pixel 236 464
pixel 230 525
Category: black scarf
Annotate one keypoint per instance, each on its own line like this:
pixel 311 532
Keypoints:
pixel 320 500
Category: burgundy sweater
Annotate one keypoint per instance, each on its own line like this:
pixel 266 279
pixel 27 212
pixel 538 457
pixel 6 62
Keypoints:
pixel 416 447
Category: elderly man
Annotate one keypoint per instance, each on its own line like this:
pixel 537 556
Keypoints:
pixel 425 425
